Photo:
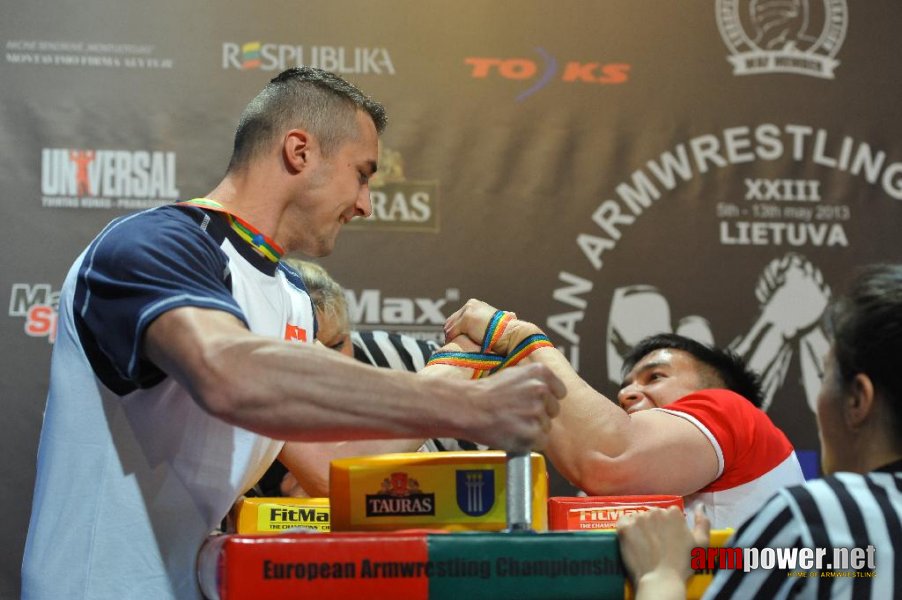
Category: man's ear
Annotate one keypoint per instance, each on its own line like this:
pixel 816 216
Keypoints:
pixel 860 403
pixel 296 150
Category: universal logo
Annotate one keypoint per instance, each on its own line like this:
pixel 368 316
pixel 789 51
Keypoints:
pixel 794 36
pixel 400 496
pixel 119 179
pixel 399 204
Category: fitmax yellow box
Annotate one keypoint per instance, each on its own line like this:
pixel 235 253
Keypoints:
pixel 278 515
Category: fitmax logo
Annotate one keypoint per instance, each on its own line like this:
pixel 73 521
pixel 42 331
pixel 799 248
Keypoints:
pixel 547 70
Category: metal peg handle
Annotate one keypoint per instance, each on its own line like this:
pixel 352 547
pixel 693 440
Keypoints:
pixel 519 491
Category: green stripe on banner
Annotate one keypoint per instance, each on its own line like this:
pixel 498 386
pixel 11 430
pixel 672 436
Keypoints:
pixel 554 565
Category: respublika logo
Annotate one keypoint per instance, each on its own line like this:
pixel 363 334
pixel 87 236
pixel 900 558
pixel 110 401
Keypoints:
pixel 793 36
pixel 399 204
pixel 278 57
pixel 38 304
pixel 540 73
pixel 475 491
pixel 124 179
pixel 400 496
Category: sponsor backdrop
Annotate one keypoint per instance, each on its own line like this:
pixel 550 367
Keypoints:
pixel 607 169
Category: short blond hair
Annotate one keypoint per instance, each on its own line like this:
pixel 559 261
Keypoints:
pixel 327 294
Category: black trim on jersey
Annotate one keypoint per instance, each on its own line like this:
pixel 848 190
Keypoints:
pixel 220 229
pixel 113 304
pixel 104 369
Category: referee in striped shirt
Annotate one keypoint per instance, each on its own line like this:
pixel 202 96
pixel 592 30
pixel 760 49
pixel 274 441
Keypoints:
pixel 859 503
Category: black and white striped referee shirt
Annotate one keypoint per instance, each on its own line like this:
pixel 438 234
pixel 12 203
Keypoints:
pixel 402 352
pixel 846 510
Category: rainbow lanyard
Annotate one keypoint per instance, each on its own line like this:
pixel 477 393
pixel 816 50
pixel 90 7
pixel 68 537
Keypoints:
pixel 247 232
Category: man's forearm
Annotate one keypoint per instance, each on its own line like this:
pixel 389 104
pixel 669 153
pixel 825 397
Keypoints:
pixel 300 392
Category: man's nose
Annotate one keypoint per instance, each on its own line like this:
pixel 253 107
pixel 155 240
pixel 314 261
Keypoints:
pixel 364 204
pixel 629 396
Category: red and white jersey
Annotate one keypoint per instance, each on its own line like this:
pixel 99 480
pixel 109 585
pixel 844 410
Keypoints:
pixel 754 458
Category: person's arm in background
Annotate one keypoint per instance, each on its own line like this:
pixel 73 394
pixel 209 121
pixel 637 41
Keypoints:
pixel 656 548
pixel 595 444
pixel 308 462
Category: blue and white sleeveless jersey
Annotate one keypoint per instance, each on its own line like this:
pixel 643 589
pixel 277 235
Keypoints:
pixel 132 473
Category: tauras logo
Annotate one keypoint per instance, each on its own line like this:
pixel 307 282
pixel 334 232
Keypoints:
pixel 107 178
pixel 399 204
pixel 400 495
pixel 278 57
pixel 419 504
pixel 38 303
pixel 792 36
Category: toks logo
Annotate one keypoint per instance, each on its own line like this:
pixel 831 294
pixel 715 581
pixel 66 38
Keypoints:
pixel 38 304
pixel 79 178
pixel 792 36
pixel 524 69
pixel 399 204
pixel 400 496
pixel 278 57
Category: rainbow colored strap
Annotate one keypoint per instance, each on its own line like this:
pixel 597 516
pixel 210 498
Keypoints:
pixel 495 329
pixel 263 244
pixel 481 364
pixel 524 349
pixel 484 365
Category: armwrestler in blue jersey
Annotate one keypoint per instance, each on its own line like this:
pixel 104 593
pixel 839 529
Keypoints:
pixel 183 361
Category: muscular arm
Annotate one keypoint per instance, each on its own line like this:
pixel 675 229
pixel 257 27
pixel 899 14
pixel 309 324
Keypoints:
pixel 299 392
pixel 593 442
pixel 604 451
